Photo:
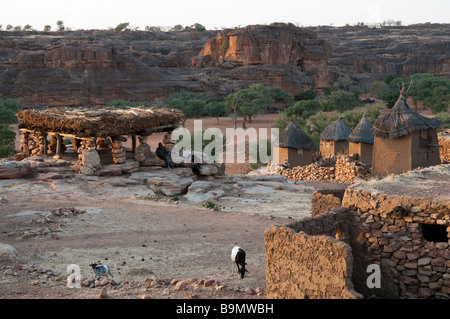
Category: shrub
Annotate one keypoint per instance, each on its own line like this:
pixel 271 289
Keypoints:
pixel 7 138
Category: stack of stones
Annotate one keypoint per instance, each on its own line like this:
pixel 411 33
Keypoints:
pixel 118 150
pixel 88 158
pixel 24 147
pixel 35 144
pixel 392 230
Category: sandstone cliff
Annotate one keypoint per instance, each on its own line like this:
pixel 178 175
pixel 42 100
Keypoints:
pixel 93 67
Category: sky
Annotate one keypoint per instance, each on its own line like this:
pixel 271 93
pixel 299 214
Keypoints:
pixel 212 14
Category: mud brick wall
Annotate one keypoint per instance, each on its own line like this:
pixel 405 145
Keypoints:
pixel 392 230
pixel 307 259
pixel 324 201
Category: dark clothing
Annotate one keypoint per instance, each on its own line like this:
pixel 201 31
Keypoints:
pixel 163 153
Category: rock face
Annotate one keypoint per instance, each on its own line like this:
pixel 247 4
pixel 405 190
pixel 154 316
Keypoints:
pixel 82 68
pixel 93 67
pixel 279 47
pixel 367 54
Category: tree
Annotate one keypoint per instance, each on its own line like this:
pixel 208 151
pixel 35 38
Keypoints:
pixel 340 100
pixel 121 26
pixel 177 27
pixel 432 91
pixel 60 25
pixel 216 109
pixel 198 27
pixel 47 28
pixel 248 102
pixel 303 109
pixel 191 104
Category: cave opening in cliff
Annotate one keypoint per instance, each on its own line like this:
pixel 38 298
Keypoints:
pixel 434 232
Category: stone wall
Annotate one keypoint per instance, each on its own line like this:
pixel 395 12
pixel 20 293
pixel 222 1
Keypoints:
pixel 299 266
pixel 324 201
pixel 393 231
pixel 444 142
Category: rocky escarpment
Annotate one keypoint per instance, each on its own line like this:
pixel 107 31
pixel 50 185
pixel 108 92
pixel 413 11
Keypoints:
pixel 82 68
pixel 294 59
pixel 93 67
pixel 366 53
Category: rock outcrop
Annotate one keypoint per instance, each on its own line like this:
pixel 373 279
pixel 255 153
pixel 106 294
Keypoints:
pixel 93 67
pixel 289 54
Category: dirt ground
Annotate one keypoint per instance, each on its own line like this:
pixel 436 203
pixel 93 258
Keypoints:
pixel 149 245
pixel 156 249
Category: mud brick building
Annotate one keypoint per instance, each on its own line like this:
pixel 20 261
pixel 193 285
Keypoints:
pixel 399 223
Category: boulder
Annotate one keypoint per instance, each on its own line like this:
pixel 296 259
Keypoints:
pixel 13 169
pixel 167 182
pixel 200 191
pixel 8 253
pixel 91 159
pixel 169 185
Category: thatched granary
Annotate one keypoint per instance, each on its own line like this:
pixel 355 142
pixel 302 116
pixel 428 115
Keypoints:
pixel 404 140
pixel 91 125
pixel 99 122
pixel 360 141
pixel 333 139
pixel 295 147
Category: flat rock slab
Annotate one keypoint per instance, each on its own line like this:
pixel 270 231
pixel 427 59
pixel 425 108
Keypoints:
pixel 201 191
pixel 13 169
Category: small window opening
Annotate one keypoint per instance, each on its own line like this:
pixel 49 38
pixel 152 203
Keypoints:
pixel 424 134
pixel 426 156
pixel 300 151
pixel 435 233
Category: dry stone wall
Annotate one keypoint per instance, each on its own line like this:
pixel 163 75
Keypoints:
pixel 393 231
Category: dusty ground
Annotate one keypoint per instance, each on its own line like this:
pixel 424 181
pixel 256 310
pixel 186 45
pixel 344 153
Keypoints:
pixel 150 245
pixel 140 239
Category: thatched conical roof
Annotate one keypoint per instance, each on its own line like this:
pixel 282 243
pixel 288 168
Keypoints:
pixel 293 137
pixel 401 120
pixel 336 131
pixel 362 132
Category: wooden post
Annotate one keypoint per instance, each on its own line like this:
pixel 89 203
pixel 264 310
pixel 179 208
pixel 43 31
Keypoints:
pixel 58 146
pixel 45 143
pixel 133 143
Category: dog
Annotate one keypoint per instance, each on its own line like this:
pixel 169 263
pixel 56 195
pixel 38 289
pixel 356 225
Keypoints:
pixel 101 270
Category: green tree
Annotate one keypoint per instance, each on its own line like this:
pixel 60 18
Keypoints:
pixel 303 109
pixel 198 27
pixel 216 109
pixel 121 26
pixel 60 25
pixel 248 102
pixel 7 138
pixel 8 110
pixel 177 27
pixel 340 100
pixel 47 28
pixel 191 104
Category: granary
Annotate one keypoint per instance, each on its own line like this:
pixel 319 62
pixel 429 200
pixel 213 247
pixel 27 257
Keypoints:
pixel 89 129
pixel 360 141
pixel 404 140
pixel 333 139
pixel 295 147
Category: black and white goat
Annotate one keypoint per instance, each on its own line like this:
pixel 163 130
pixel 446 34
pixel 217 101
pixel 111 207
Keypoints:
pixel 238 258
pixel 101 270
